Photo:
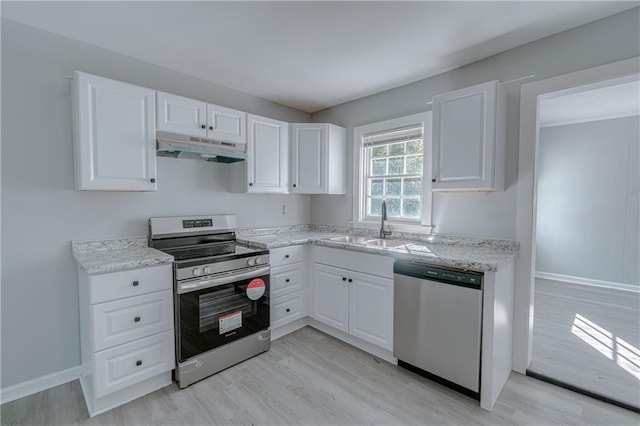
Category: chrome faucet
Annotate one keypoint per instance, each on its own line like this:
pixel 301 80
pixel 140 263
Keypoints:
pixel 384 232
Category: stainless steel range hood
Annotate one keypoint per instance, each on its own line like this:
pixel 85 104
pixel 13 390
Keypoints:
pixel 182 146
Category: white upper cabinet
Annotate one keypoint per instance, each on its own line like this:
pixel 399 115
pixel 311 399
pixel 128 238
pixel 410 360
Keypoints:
pixel 267 155
pixel 318 159
pixel 226 124
pixel 469 139
pixel 177 114
pixel 114 135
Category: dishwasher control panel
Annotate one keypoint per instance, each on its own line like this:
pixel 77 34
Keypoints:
pixel 447 275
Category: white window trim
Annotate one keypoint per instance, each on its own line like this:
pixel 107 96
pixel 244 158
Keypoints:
pixel 425 226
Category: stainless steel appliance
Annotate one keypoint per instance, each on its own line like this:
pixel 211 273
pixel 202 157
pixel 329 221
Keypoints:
pixel 221 294
pixel 437 324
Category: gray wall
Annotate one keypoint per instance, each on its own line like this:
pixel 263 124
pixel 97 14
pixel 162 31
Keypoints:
pixel 483 214
pixel 588 200
pixel 41 212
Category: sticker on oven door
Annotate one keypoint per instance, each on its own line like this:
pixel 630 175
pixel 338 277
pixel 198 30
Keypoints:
pixel 230 322
pixel 256 288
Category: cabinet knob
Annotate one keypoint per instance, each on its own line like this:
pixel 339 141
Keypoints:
pixel 136 319
pixel 294 185
pixel 139 362
pixel 152 180
pixel 203 126
pixel 135 283
pixel 286 256
pixel 288 309
pixel 433 180
pixel 250 183
pixel 350 280
pixel 344 278
pixel 210 127
pixel 287 280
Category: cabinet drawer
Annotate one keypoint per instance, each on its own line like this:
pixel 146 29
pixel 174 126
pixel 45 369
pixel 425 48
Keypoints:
pixel 131 363
pixel 287 279
pixel 118 285
pixel 125 320
pixel 286 309
pixel 286 255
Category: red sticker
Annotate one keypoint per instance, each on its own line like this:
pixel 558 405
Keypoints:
pixel 256 288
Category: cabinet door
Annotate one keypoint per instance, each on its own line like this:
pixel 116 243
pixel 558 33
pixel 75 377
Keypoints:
pixel 226 124
pixel 371 309
pixel 309 150
pixel 267 159
pixel 177 114
pixel 331 296
pixel 464 137
pixel 115 142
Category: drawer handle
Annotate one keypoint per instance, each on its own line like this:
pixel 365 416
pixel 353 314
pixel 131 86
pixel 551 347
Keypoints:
pixel 139 363
pixel 288 309
pixel 287 280
pixel 137 319
pixel 135 283
pixel 286 256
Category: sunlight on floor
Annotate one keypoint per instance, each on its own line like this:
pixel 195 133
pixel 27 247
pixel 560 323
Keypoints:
pixel 614 348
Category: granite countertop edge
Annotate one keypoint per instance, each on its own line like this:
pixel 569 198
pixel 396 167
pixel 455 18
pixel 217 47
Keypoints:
pixel 499 257
pixel 115 255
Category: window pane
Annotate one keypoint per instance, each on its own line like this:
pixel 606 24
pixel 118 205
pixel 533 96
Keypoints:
pixel 414 164
pixel 396 166
pixel 412 186
pixel 415 147
pixel 379 151
pixel 377 187
pixel 396 149
pixel 393 187
pixel 379 167
pixel 375 206
pixel 393 207
pixel 410 207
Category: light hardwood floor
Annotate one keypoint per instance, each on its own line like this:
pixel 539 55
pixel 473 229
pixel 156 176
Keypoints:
pixel 588 337
pixel 311 378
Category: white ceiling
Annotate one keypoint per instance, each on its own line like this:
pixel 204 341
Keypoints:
pixel 614 101
pixel 309 55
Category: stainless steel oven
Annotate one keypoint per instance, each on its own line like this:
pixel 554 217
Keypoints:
pixel 221 294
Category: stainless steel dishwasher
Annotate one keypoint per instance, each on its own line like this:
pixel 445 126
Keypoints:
pixel 437 324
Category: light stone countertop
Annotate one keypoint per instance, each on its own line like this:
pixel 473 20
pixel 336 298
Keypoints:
pixel 104 256
pixel 460 252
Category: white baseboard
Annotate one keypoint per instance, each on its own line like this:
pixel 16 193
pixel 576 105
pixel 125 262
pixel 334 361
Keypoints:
pixel 587 281
pixel 39 384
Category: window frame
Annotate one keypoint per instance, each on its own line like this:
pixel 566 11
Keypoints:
pixel 360 182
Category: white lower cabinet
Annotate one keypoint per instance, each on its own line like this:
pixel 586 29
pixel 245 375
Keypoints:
pixel 331 296
pixel 126 335
pixel 288 286
pixel 354 302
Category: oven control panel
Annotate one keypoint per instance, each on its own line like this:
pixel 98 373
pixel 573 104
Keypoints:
pixel 197 223
pixel 205 269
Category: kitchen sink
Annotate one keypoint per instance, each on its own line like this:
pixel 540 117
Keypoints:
pixel 350 239
pixel 385 243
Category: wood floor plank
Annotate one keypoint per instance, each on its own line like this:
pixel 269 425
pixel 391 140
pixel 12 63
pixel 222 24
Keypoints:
pixel 577 336
pixel 310 378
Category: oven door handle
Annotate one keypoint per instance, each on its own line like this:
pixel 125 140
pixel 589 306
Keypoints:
pixel 214 282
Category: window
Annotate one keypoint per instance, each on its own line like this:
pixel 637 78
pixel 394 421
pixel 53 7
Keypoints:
pixel 393 159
